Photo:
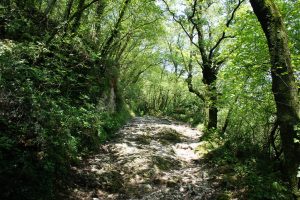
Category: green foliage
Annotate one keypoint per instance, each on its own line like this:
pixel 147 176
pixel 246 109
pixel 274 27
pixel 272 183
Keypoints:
pixel 255 174
pixel 245 83
pixel 50 114
pixel 160 92
pixel 57 84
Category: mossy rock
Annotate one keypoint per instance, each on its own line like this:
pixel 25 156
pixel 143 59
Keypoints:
pixel 165 164
pixel 168 135
pixel 171 182
pixel 112 181
pixel 231 178
pixel 147 173
pixel 230 181
pixel 143 139
pixel 225 169
pixel 224 196
pixel 202 149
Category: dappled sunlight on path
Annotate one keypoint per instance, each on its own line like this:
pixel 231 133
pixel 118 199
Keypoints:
pixel 151 159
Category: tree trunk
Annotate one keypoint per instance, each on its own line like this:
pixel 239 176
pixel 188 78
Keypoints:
pixel 78 17
pixel 106 53
pixel 106 48
pixel 67 13
pixel 212 116
pixel 50 6
pixel 100 10
pixel 112 100
pixel 68 9
pixel 210 97
pixel 209 79
pixel 283 85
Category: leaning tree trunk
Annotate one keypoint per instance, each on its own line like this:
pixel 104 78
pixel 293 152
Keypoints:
pixel 78 16
pixel 112 101
pixel 283 85
pixel 67 13
pixel 50 7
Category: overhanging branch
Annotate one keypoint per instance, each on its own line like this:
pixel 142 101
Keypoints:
pixel 175 18
pixel 224 36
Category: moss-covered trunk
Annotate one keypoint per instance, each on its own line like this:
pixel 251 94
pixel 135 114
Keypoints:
pixel 283 84
pixel 212 114
pixel 209 79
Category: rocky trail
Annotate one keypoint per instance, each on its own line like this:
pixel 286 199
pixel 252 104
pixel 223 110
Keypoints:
pixel 150 158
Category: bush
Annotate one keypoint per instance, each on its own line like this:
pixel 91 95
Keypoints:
pixel 50 115
pixel 247 173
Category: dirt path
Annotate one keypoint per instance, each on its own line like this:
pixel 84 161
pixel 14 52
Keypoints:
pixel 150 159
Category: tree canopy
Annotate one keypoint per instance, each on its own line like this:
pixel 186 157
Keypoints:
pixel 72 72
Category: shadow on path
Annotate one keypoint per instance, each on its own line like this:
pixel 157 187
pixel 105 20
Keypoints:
pixel 151 159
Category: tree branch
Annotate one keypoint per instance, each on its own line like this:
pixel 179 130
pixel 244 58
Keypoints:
pixel 62 25
pixel 223 36
pixel 189 80
pixel 198 28
pixel 115 31
pixel 191 37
